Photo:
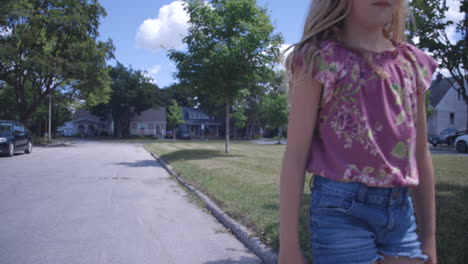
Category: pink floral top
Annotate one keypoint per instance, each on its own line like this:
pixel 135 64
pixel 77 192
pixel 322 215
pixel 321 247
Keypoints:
pixel 366 125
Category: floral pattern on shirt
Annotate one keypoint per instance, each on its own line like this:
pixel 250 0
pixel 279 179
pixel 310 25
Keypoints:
pixel 366 124
pixel 384 175
pixel 352 126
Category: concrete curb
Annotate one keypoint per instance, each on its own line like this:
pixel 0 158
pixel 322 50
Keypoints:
pixel 241 232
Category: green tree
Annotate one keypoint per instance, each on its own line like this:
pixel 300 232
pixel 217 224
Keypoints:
pixel 7 109
pixel 431 28
pixel 275 112
pixel 61 110
pixel 181 94
pixel 48 46
pixel 174 116
pixel 230 46
pixel 131 94
pixel 239 110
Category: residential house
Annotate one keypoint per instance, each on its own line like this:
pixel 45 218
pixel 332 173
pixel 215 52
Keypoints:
pixel 150 122
pixel 450 110
pixel 87 124
pixel 66 129
pixel 198 124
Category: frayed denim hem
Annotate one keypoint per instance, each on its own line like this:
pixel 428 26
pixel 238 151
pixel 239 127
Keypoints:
pixel 404 254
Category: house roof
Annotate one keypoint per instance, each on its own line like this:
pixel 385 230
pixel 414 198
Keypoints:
pixel 439 89
pixel 188 111
pixel 83 114
pixel 151 115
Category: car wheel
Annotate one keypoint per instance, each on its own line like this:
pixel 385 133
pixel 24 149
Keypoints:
pixel 29 149
pixel 11 150
pixel 450 141
pixel 462 147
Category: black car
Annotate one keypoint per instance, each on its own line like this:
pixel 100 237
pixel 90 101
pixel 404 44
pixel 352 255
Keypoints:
pixel 183 135
pixel 14 136
pixel 451 139
pixel 446 137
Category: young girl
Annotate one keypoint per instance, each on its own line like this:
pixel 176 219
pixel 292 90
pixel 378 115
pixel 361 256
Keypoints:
pixel 358 123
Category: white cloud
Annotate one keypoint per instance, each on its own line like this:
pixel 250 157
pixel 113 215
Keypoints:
pixel 152 72
pixel 5 31
pixel 283 47
pixel 166 31
pixel 155 69
pixel 455 15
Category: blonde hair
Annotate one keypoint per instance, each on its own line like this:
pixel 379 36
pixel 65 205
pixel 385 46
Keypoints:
pixel 325 21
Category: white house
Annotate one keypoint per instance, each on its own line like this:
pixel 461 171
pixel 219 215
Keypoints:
pixel 450 110
pixel 87 124
pixel 66 129
pixel 149 122
pixel 197 123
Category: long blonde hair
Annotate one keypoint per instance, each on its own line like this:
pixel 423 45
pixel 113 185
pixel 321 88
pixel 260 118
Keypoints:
pixel 325 21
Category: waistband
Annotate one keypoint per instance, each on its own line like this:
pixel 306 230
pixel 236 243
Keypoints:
pixel 384 196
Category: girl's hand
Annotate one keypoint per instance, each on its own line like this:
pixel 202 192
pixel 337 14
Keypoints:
pixel 429 248
pixel 291 256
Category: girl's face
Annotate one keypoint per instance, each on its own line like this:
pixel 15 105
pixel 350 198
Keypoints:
pixel 372 13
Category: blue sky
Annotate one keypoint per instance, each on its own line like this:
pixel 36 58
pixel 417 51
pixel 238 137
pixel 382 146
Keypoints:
pixel 125 17
pixel 138 28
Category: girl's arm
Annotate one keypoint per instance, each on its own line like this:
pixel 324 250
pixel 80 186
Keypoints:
pixel 306 94
pixel 424 193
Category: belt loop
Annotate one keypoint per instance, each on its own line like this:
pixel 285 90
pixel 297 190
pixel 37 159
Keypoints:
pixel 311 181
pixel 361 196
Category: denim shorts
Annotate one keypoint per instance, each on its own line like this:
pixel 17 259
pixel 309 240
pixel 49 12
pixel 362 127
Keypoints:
pixel 353 223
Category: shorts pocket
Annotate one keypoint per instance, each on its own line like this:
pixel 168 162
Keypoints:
pixel 330 203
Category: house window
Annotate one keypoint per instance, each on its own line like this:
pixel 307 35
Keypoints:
pixel 459 95
pixel 142 128
pixel 452 118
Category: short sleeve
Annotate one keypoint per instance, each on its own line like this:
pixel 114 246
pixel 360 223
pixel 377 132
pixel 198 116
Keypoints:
pixel 325 69
pixel 425 67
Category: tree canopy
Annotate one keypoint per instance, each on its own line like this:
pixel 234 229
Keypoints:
pixel 230 47
pixel 48 46
pixel 432 24
pixel 131 94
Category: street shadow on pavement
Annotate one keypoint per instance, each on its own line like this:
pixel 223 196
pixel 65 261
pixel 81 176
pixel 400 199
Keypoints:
pixel 140 163
pixel 16 155
pixel 242 260
pixel 195 154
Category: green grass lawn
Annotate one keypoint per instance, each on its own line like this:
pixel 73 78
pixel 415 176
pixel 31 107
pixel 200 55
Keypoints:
pixel 245 184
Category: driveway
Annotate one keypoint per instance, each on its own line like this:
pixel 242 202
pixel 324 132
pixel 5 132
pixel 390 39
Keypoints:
pixel 98 202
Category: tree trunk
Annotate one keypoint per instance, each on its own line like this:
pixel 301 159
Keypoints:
pixel 279 135
pixel 235 130
pixel 227 127
pixel 119 129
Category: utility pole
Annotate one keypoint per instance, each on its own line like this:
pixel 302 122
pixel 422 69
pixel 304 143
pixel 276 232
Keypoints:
pixel 50 117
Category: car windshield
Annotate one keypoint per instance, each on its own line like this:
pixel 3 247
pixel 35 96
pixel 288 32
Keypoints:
pixel 6 127
pixel 448 131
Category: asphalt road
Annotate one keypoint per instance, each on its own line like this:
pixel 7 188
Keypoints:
pixel 104 203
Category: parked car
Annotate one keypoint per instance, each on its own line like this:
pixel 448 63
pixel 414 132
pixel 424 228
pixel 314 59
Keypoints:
pixel 183 135
pixel 446 137
pixel 169 134
pixel 451 139
pixel 14 136
pixel 461 144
